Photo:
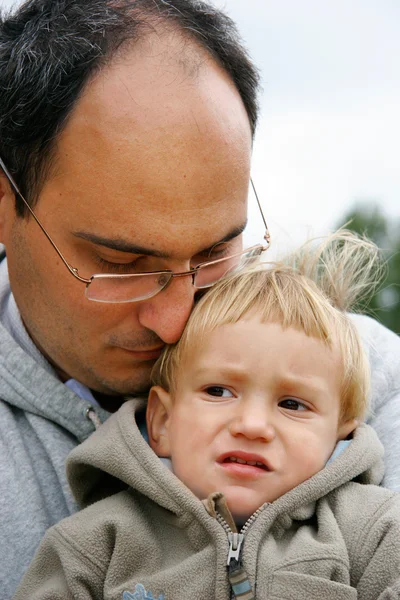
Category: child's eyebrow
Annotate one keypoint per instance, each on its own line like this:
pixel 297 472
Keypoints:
pixel 229 372
pixel 314 384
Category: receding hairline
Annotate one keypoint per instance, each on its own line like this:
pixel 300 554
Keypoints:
pixel 192 54
pixel 192 61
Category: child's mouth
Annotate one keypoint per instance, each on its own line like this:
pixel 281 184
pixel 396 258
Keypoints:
pixel 244 464
pixel 251 463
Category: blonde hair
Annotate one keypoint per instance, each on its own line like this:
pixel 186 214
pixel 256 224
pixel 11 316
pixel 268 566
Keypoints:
pixel 311 290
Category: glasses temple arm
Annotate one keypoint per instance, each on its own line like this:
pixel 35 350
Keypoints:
pixel 267 236
pixel 13 184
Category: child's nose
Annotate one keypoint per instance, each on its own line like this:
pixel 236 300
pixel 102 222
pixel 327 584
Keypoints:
pixel 253 422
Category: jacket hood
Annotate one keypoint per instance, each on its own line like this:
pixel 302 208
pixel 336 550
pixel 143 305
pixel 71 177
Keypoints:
pixel 27 380
pixel 117 456
pixel 28 386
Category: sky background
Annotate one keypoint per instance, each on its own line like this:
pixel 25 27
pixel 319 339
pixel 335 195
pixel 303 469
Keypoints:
pixel 329 132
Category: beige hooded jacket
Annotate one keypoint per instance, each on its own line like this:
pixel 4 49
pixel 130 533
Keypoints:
pixel 334 537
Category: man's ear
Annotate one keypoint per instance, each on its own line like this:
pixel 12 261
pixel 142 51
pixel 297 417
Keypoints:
pixel 157 417
pixel 7 206
pixel 346 428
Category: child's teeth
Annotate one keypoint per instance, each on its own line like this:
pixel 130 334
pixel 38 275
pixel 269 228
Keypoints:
pixel 252 463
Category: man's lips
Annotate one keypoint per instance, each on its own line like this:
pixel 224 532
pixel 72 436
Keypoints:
pixel 244 464
pixel 150 354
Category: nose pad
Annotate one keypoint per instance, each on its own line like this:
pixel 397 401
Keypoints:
pixel 164 281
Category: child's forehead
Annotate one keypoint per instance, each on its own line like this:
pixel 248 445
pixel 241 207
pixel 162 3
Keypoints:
pixel 288 298
pixel 255 325
pixel 252 334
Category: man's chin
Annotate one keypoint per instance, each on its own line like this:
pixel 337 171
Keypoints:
pixel 127 382
pixel 111 399
pixel 117 388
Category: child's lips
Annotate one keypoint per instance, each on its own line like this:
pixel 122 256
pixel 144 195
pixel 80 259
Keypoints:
pixel 244 464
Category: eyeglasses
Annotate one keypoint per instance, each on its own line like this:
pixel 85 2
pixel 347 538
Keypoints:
pixel 133 287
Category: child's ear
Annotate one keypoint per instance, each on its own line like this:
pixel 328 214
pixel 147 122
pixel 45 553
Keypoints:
pixel 157 417
pixel 346 428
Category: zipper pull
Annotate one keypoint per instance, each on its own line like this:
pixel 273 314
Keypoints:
pixel 238 578
pixel 235 545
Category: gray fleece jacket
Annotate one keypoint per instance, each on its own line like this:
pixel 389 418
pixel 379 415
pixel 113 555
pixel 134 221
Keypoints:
pixel 334 536
pixel 41 420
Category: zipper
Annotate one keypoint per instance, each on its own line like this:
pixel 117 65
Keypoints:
pixel 253 518
pixel 240 584
pixel 238 578
pixel 235 545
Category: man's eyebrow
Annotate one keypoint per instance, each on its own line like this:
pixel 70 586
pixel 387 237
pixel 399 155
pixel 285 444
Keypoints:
pixel 123 246
pixel 118 244
pixel 230 236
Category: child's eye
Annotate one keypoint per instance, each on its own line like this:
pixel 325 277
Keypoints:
pixel 292 404
pixel 218 391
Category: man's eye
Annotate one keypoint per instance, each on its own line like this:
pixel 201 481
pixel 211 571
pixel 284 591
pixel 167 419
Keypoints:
pixel 218 391
pixel 204 258
pixel 220 251
pixel 113 267
pixel 292 404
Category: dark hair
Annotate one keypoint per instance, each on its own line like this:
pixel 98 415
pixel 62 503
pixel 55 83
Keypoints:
pixel 50 48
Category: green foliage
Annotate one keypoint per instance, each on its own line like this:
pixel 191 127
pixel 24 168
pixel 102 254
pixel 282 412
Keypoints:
pixel 366 218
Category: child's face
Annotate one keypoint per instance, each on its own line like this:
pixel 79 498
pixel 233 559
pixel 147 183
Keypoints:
pixel 256 412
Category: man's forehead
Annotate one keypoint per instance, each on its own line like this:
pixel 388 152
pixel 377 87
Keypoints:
pixel 142 94
pixel 157 162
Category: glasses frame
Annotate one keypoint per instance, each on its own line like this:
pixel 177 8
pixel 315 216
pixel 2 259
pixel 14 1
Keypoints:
pixel 192 272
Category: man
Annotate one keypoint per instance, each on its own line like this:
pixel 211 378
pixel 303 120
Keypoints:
pixel 127 127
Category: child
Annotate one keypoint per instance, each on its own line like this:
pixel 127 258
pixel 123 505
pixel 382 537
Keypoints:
pixel 257 409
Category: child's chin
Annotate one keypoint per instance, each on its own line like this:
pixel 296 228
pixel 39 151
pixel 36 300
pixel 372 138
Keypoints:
pixel 241 507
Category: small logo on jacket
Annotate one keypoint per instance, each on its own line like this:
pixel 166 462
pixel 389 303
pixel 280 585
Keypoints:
pixel 140 594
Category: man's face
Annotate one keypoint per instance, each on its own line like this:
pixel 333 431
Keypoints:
pixel 151 171
pixel 254 414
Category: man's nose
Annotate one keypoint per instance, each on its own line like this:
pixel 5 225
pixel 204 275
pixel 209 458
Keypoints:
pixel 253 421
pixel 167 312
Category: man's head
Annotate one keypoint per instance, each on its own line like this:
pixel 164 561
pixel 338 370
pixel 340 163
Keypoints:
pixel 269 371
pixel 127 125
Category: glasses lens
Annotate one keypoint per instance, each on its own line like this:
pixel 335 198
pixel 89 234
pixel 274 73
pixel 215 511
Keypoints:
pixel 209 274
pixel 126 288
